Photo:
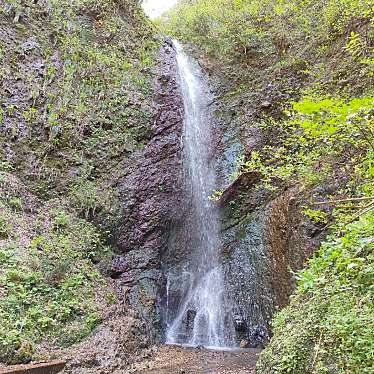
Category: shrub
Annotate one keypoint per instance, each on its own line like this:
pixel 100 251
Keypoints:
pixel 48 288
pixel 236 30
pixel 317 134
pixel 328 326
pixel 5 228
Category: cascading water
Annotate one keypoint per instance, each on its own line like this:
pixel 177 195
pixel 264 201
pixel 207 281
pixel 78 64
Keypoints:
pixel 201 315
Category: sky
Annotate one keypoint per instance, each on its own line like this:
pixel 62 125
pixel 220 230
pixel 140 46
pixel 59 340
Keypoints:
pixel 154 8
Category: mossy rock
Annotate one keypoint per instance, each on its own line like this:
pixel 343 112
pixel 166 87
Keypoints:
pixel 24 354
pixel 14 351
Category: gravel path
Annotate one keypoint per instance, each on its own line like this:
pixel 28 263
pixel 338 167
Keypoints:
pixel 178 360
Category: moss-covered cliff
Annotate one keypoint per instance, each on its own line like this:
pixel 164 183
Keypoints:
pixel 75 103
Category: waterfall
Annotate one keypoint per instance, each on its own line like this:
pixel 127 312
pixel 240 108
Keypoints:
pixel 201 315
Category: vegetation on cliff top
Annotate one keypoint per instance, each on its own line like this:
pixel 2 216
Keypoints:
pixel 315 61
pixel 75 80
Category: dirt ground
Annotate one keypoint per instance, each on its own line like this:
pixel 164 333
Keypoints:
pixel 178 360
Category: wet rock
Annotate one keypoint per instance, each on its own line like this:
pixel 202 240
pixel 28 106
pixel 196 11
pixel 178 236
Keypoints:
pixel 150 195
pixel 29 45
pixel 239 324
pixel 259 337
pixel 244 343
pixel 165 78
pixel 191 314
pixel 169 42
pixel 117 267
pixel 266 104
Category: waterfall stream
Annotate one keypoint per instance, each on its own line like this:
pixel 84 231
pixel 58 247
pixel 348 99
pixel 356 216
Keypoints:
pixel 201 315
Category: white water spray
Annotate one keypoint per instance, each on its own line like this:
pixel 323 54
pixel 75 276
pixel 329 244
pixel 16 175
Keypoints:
pixel 201 317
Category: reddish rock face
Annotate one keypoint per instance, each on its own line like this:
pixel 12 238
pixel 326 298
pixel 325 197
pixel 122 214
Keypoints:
pixel 151 197
pixel 289 243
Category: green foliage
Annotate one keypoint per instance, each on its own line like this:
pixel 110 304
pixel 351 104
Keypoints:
pixel 48 290
pixel 241 29
pixel 317 134
pixel 111 298
pixel 328 326
pixel 334 121
pixel 30 114
pixel 5 228
pixel 317 216
pixel 89 200
pixel 61 219
pixel 216 195
pixel 6 166
pixel 15 203
pixel 356 45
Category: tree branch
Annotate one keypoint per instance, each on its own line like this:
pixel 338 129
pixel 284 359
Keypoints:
pixel 343 200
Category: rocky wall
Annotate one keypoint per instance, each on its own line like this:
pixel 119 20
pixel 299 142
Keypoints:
pixel 151 198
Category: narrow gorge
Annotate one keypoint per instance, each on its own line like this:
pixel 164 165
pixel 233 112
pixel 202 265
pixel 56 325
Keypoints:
pixel 186 186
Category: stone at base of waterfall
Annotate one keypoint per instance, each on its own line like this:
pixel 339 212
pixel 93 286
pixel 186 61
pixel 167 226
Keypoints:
pixel 239 324
pixel 244 344
pixel 191 314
